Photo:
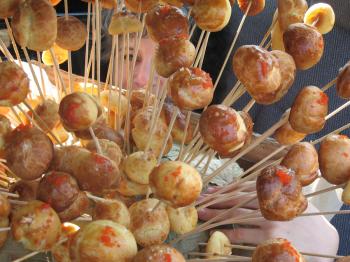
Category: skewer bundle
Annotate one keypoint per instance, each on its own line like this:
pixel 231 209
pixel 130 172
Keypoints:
pixel 89 153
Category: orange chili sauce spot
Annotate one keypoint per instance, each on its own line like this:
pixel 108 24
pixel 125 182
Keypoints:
pixel 164 10
pixel 57 180
pixel 345 155
pixel 206 79
pixel 284 177
pixel 343 136
pixel 177 172
pixel 105 238
pixel 167 257
pixel 323 99
pixel 45 206
pixel 263 66
pixel 287 246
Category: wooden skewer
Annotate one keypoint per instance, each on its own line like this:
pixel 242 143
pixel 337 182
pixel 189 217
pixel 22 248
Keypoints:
pixel 156 206
pixel 109 77
pixel 232 45
pixel 221 215
pixel 187 124
pixel 336 111
pixel 239 258
pixel 33 73
pixel 14 45
pixel 215 259
pixel 210 158
pixel 329 85
pixel 190 145
pixel 9 194
pixel 70 84
pixel 331 188
pixel 98 199
pixel 192 31
pixel 121 78
pixel 253 248
pixel 97 143
pixel 88 22
pixel 41 72
pixel 199 44
pixel 167 136
pixel 4 229
pixel 5 51
pixel 56 66
pixel 202 50
pixel 98 45
pixel 18 202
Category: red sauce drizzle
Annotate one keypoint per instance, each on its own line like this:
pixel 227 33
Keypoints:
pixel 165 10
pixel 343 136
pixel 107 233
pixel 288 247
pixel 206 79
pixel 167 257
pixel 70 112
pixel 99 159
pixel 57 180
pixel 345 154
pixel 45 206
pixel 323 99
pixel 284 177
pixel 177 172
pixel 263 66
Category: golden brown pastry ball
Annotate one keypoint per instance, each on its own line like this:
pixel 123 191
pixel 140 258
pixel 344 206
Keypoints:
pixel 27 190
pixel 343 82
pixel 34 25
pixel 333 156
pixel 36 225
pixel 48 113
pixel 150 227
pixel 303 159
pixel 4 222
pixel 140 6
pixel 345 197
pixel 172 54
pixel 286 135
pixel 305 44
pixel 280 194
pixel 8 8
pixel 223 129
pixel 14 84
pixel 78 111
pixel 290 12
pixel 103 240
pixel 165 21
pixel 92 171
pixel 79 207
pixel 218 244
pixel 139 165
pixel 288 72
pixel 191 88
pixel 58 189
pixel 211 15
pixel 71 33
pixel 141 129
pixel 129 188
pixel 28 152
pixel 112 209
pixel 309 110
pixel 322 16
pixel 124 22
pixel 276 250
pixel 183 219
pixel 263 79
pixel 109 149
pixel 257 6
pixel 5 130
pixel 176 183
pixel 5 206
pixel 159 253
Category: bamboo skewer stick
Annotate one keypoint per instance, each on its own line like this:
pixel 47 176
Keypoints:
pixel 167 136
pixel 56 66
pixel 87 42
pixel 70 85
pixel 33 73
pixel 98 45
pixel 41 72
pixel 199 44
pixel 14 45
pixel 232 45
pixel 97 143
pixel 328 189
pixel 5 51
pixel 329 85
pixel 187 124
